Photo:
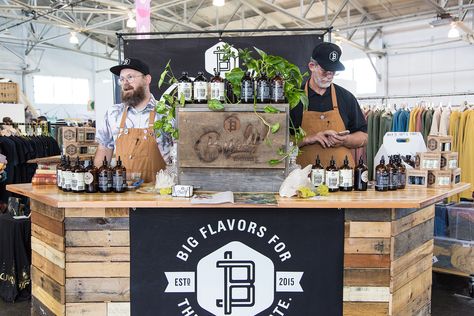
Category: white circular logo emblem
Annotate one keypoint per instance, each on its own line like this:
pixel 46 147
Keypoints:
pixel 126 62
pixel 333 56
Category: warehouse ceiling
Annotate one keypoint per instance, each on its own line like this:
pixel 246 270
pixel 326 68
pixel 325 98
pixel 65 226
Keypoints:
pixel 357 22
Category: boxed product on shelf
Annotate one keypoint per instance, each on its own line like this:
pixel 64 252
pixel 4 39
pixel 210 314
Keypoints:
pixel 89 134
pixel 9 92
pixel 439 143
pixel 417 178
pixel 449 160
pixel 439 178
pixel 461 221
pixel 455 176
pixel 428 161
pixel 69 134
pixel 453 256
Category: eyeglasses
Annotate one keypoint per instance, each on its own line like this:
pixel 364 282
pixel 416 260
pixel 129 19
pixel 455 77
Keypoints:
pixel 129 79
pixel 326 73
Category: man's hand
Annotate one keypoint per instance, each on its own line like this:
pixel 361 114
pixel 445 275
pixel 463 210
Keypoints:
pixel 316 138
pixel 334 139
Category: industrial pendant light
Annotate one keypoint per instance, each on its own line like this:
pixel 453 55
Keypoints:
pixel 73 39
pixel 453 32
pixel 131 22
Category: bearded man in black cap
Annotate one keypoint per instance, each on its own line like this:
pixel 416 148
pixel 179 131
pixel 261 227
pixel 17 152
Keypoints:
pixel 128 127
pixel 334 123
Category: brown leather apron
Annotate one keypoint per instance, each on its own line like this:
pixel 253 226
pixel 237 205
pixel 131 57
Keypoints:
pixel 138 149
pixel 314 122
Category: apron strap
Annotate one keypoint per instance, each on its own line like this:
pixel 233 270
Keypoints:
pixel 124 118
pixel 151 119
pixel 333 94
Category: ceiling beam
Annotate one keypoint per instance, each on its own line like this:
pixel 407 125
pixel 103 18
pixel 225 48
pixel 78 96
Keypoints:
pixel 262 14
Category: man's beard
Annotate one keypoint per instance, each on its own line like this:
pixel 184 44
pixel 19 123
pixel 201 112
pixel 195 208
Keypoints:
pixel 133 97
pixel 322 84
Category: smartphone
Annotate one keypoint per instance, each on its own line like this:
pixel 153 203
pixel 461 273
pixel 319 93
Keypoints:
pixel 343 133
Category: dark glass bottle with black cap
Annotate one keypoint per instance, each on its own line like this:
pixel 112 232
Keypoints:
pixel 78 177
pixel 346 176
pixel 185 88
pixel 59 170
pixel 332 176
pixel 392 170
pixel 317 173
pixel 402 173
pixel 247 88
pixel 381 176
pixel 67 174
pixel 277 85
pixel 217 87
pixel 263 88
pixel 119 177
pixel 91 179
pixel 104 175
pixel 361 176
pixel 200 88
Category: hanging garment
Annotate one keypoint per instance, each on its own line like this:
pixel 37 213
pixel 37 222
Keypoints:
pixel 435 123
pixel 454 120
pixel 370 143
pixel 466 152
pixel 412 120
pixel 427 121
pixel 444 122
pixel 419 117
pixel 403 121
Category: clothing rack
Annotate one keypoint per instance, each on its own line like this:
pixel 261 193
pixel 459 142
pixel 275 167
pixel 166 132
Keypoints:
pixel 45 128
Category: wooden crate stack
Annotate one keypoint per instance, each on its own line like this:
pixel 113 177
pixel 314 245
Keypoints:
pixel 78 141
pixel 9 92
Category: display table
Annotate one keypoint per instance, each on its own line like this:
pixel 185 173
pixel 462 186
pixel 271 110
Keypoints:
pixel 81 247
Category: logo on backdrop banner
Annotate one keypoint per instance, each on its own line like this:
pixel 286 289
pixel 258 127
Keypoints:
pixel 236 280
pixel 214 59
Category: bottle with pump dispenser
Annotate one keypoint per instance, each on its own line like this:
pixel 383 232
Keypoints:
pixel 346 176
pixel 381 176
pixel 318 173
pixel 332 176
pixel 361 176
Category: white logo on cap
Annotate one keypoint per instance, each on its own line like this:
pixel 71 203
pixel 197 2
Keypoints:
pixel 126 61
pixel 333 56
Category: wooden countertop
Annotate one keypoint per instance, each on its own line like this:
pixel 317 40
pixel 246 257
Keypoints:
pixel 407 198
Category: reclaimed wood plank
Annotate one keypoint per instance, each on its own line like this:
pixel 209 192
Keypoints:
pixel 86 309
pixel 412 238
pixel 53 240
pixel 96 223
pixel 95 254
pixel 398 213
pixel 54 306
pixel 424 311
pixel 118 309
pixel 412 257
pixel 412 220
pixel 367 277
pixel 367 245
pixel 98 270
pixel 39 309
pixel 50 286
pixel 117 212
pixel 410 273
pixel 366 294
pixel 105 238
pixel 366 261
pixel 364 309
pixel 48 268
pixel 370 229
pixel 368 215
pixel 55 256
pixel 97 290
pixel 413 295
pixel 54 226
pixel 85 212
pixel 46 210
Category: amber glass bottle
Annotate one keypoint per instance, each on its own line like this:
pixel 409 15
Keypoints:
pixel 381 176
pixel 402 173
pixel 119 177
pixel 77 183
pixel 104 175
pixel 67 175
pixel 200 88
pixel 59 170
pixel 185 88
pixel 247 88
pixel 392 170
pixel 277 85
pixel 91 179
pixel 217 87
pixel 361 176
pixel 332 176
pixel 263 89
pixel 346 176
pixel 317 173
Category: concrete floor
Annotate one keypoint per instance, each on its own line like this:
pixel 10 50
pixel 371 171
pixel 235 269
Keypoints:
pixel 449 298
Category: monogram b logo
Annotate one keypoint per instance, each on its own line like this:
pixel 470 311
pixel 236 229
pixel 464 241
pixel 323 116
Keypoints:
pixel 126 61
pixel 333 56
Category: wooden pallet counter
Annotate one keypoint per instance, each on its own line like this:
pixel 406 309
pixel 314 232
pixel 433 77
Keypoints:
pixel 81 248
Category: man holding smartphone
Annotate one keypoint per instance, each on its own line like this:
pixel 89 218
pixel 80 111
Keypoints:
pixel 334 123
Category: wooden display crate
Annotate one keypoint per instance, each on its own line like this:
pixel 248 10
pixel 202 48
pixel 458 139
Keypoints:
pixel 439 178
pixel 428 161
pixel 449 160
pixel 230 150
pixel 9 92
pixel 417 178
pixel 439 143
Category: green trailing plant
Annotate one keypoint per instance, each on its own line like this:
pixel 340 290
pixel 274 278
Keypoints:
pixel 264 63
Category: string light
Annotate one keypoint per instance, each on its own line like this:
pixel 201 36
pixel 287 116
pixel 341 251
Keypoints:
pixel 73 39
pixel 131 22
pixel 453 32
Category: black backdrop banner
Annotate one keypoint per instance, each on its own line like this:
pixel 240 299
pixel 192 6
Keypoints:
pixel 236 262
pixel 188 54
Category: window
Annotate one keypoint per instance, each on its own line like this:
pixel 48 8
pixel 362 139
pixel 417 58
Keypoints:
pixel 60 90
pixel 360 71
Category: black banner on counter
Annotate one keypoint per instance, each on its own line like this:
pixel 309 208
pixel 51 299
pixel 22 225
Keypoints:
pixel 236 262
pixel 203 54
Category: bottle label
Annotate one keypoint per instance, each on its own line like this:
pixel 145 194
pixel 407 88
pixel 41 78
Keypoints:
pixel 117 182
pixel 393 180
pixel 402 179
pixel 185 88
pixel 88 178
pixel 247 90
pixel 200 90
pixel 217 91
pixel 77 181
pixel 67 179
pixel 317 177
pixel 364 177
pixel 263 90
pixel 277 92
pixel 444 180
pixel 58 177
pixel 381 179
pixel 346 179
pixel 452 164
pixel 104 183
pixel 332 179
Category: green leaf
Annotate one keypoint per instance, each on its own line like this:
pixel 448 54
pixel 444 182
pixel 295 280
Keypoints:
pixel 169 99
pixel 274 162
pixel 162 77
pixel 158 124
pixel 260 52
pixel 215 105
pixel 304 99
pixel 275 128
pixel 293 99
pixel 161 107
pixel 182 99
pixel 281 151
pixel 270 109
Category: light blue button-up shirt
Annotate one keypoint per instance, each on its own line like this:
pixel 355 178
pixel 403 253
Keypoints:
pixel 108 133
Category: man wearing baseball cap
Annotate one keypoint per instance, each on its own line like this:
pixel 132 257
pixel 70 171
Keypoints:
pixel 128 127
pixel 334 123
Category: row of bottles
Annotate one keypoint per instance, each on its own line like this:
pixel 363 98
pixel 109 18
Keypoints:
pixel 201 90
pixel 83 176
pixel 343 178
pixel 392 176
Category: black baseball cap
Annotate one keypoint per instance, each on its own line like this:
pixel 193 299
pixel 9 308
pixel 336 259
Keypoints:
pixel 327 55
pixel 131 63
